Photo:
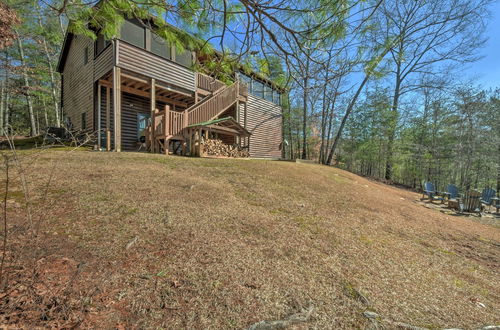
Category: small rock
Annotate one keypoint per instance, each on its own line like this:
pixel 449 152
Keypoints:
pixel 132 242
pixel 491 327
pixel 370 315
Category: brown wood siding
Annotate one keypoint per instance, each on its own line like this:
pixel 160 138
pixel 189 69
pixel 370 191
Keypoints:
pixel 131 106
pixel 264 123
pixel 146 63
pixel 103 117
pixel 78 88
pixel 104 62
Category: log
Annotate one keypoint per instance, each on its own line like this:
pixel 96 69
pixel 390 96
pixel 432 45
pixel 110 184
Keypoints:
pixel 217 148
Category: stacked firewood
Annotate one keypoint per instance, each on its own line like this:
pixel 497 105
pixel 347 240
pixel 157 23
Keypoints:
pixel 217 148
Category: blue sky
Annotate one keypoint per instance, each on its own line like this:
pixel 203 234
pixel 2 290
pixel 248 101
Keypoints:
pixel 487 70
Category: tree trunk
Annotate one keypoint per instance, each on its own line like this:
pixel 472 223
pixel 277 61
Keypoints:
pixel 304 123
pixel 51 74
pixel 29 101
pixel 7 115
pixel 324 110
pixel 2 103
pixel 392 129
pixel 292 156
pixel 344 119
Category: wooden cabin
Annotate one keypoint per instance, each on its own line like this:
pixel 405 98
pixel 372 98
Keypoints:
pixel 136 86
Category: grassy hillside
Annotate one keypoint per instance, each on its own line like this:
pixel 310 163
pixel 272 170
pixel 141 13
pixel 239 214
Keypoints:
pixel 137 240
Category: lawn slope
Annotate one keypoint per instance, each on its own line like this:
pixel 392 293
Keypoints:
pixel 137 240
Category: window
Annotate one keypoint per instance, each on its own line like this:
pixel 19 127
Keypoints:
pixel 276 97
pixel 268 93
pixel 133 34
pixel 258 88
pixel 84 120
pixel 86 56
pixel 142 123
pixel 247 81
pixel 184 58
pixel 100 44
pixel 159 46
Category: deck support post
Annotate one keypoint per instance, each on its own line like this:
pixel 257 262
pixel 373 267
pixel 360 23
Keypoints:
pixel 166 127
pixel 245 108
pixel 152 109
pixel 117 108
pixel 108 119
pixel 99 133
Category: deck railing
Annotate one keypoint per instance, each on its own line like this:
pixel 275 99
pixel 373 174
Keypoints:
pixel 176 124
pixel 214 105
pixel 208 83
pixel 168 123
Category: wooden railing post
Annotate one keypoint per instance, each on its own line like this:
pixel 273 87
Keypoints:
pixel 152 109
pixel 167 120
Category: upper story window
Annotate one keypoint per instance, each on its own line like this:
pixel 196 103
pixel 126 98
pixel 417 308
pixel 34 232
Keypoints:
pixel 133 33
pixel 261 89
pixel 258 89
pixel 184 58
pixel 86 56
pixel 268 93
pixel 246 80
pixel 277 97
pixel 160 47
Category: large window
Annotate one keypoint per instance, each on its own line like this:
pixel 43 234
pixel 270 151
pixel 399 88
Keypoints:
pixel 160 47
pixel 133 34
pixel 276 97
pixel 258 88
pixel 268 93
pixel 184 58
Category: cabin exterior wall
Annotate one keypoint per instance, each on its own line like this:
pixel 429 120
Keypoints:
pixel 104 62
pixel 264 122
pixel 78 88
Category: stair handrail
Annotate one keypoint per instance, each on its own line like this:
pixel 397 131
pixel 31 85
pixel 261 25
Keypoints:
pixel 232 99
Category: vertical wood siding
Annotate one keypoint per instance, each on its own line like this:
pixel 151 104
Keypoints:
pixel 104 62
pixel 78 82
pixel 146 63
pixel 264 122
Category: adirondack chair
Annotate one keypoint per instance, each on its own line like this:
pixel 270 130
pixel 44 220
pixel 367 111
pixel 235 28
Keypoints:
pixel 470 202
pixel 487 195
pixel 430 191
pixel 451 192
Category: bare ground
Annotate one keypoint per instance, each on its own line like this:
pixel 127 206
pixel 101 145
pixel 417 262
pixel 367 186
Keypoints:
pixel 140 241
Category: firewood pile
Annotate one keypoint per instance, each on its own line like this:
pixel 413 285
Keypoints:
pixel 217 148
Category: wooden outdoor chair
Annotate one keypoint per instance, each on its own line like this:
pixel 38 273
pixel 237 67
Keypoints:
pixel 430 191
pixel 470 202
pixel 451 192
pixel 487 196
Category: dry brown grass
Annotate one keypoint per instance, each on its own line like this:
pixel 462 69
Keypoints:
pixel 227 243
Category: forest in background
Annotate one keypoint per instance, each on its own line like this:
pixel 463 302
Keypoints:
pixel 373 86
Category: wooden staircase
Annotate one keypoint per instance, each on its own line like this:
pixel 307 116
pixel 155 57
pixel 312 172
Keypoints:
pixel 173 125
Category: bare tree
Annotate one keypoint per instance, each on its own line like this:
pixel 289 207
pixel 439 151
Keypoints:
pixel 431 35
